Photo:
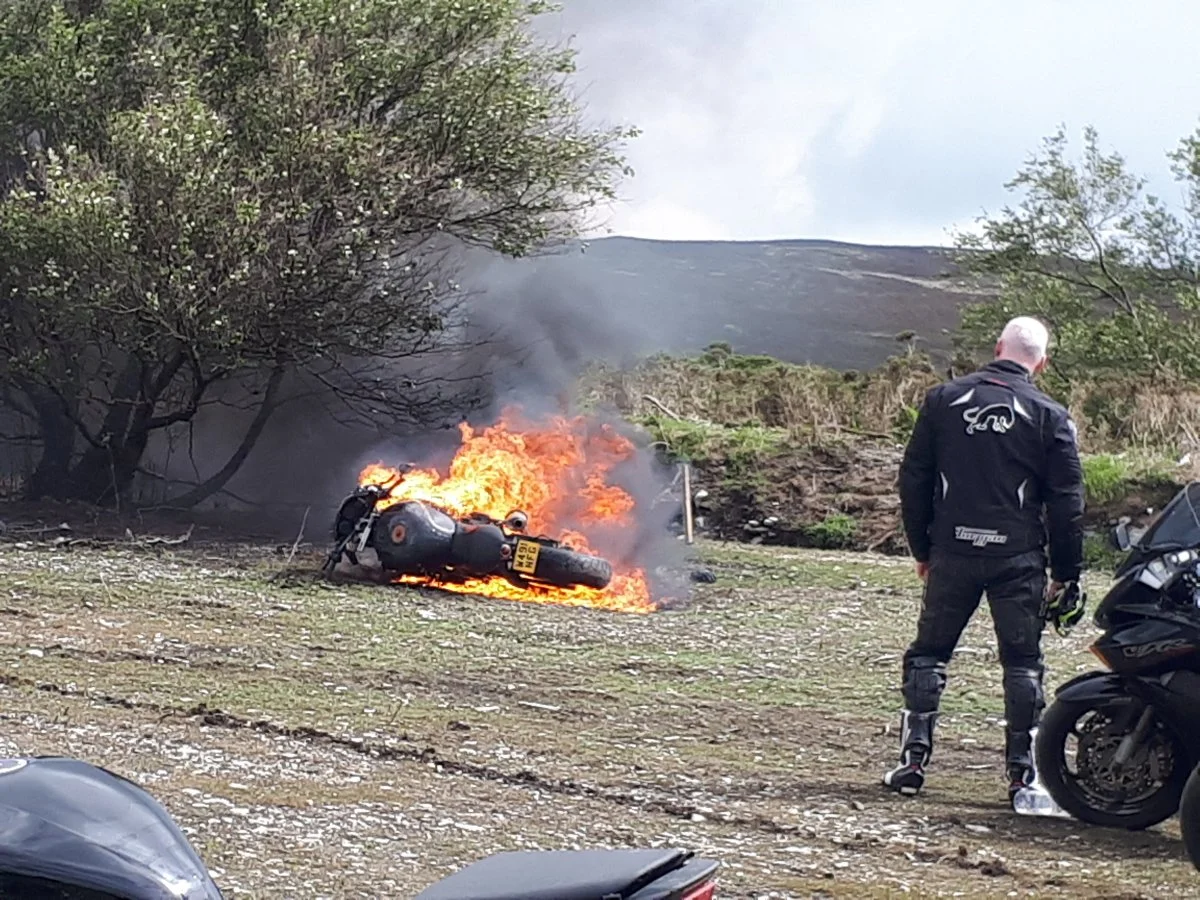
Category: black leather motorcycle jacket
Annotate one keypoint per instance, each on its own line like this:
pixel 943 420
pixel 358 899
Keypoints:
pixel 992 469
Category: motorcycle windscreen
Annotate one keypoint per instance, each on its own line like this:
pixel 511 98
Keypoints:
pixel 1177 527
pixel 66 821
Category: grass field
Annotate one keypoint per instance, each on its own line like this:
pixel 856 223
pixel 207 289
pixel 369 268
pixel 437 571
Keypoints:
pixel 333 740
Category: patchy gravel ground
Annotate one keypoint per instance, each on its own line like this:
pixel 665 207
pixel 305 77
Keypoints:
pixel 325 740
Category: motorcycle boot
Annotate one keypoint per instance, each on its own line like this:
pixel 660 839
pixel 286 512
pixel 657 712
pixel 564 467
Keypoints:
pixel 1019 763
pixel 924 681
pixel 1024 702
pixel 916 747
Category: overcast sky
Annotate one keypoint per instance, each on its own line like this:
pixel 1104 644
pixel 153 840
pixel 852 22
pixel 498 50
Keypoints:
pixel 879 121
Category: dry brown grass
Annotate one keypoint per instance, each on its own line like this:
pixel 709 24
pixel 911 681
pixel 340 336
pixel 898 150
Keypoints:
pixel 1117 412
pixel 721 388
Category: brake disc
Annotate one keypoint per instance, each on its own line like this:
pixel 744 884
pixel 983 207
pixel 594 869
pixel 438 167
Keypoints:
pixel 1141 774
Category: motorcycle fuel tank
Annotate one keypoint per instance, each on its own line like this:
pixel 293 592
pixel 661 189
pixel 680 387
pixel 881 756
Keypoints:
pixel 412 535
pixel 64 822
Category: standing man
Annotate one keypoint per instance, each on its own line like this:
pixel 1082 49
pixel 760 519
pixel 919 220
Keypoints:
pixel 988 452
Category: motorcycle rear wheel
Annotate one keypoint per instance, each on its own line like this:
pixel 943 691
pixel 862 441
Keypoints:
pixel 1087 793
pixel 563 567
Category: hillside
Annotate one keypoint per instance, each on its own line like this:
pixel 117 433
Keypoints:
pixel 821 302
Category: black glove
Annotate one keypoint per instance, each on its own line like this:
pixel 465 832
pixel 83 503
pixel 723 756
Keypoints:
pixel 1064 607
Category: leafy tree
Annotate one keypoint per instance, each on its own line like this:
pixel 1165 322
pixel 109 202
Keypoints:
pixel 202 191
pixel 1112 270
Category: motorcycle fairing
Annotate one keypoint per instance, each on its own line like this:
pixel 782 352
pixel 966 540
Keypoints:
pixel 1093 688
pixel 70 822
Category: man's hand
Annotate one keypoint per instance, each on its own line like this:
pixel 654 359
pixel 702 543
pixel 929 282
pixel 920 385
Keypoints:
pixel 922 570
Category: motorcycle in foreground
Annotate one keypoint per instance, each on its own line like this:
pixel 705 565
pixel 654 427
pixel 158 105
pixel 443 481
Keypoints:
pixel 412 537
pixel 73 831
pixel 1135 727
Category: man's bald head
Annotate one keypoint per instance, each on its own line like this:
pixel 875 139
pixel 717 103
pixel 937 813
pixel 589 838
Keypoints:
pixel 1024 340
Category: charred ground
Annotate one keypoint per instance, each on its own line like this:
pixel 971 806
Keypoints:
pixel 333 740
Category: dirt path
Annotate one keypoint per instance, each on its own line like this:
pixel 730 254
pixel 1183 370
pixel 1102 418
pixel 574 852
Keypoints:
pixel 346 741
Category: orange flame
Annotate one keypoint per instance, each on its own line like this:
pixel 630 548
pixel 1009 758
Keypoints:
pixel 557 474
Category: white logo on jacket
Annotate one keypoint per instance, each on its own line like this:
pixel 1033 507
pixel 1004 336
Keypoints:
pixel 996 417
pixel 979 537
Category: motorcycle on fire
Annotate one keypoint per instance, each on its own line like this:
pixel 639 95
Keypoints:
pixel 1136 727
pixel 412 537
pixel 73 831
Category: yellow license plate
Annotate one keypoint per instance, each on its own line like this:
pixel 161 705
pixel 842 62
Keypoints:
pixel 526 557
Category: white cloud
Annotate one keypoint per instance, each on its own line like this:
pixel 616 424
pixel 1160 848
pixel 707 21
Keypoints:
pixel 858 119
pixel 658 218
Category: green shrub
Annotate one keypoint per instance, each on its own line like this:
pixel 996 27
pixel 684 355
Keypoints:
pixel 1110 476
pixel 741 446
pixel 834 531
pixel 1105 477
pixel 905 422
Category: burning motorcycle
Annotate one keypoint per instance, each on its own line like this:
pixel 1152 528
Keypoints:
pixel 69 829
pixel 411 537
pixel 1137 725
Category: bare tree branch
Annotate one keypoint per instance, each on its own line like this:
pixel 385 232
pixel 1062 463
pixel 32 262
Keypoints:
pixel 218 481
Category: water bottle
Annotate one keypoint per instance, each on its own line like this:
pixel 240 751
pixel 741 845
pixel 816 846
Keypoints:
pixel 1034 800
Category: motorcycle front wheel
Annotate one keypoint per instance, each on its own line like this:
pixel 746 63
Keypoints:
pixel 1086 781
pixel 1189 817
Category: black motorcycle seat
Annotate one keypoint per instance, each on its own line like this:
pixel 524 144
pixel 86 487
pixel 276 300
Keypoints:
pixel 557 875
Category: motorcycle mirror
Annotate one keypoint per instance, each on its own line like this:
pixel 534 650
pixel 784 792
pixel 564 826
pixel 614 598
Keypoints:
pixel 1120 536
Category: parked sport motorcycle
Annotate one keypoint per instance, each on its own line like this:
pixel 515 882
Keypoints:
pixel 73 831
pixel 412 537
pixel 1137 725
